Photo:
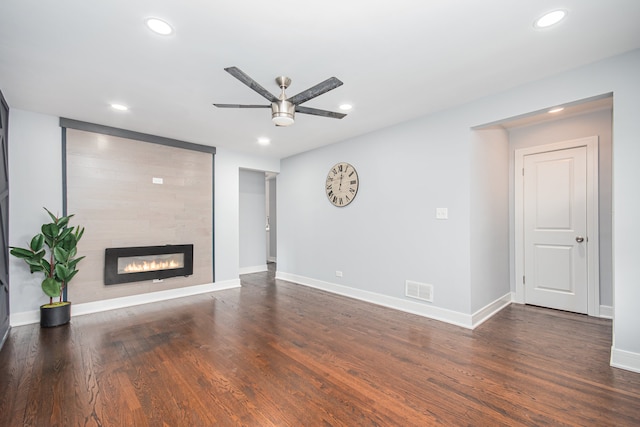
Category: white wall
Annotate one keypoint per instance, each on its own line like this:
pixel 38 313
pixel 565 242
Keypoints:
pixel 253 236
pixel 35 179
pixel 389 233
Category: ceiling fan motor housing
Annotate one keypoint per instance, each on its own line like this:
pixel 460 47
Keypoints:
pixel 282 112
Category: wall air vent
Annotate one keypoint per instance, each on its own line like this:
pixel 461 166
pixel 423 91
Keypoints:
pixel 421 291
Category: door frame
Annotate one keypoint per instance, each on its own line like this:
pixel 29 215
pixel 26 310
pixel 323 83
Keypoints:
pixel 593 241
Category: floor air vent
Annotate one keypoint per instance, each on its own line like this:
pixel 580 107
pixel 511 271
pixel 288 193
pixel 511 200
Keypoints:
pixel 420 291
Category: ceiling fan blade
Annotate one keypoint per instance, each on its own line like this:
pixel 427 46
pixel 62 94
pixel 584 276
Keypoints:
pixel 317 112
pixel 240 75
pixel 241 106
pixel 316 90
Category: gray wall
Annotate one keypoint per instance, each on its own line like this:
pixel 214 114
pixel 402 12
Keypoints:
pixel 253 238
pixel 273 218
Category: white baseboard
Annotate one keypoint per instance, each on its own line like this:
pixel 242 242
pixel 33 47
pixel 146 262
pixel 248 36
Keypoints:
pixel 449 316
pixel 29 317
pixel 4 338
pixel 606 311
pixel 625 360
pixel 488 311
pixel 253 269
pixel 24 318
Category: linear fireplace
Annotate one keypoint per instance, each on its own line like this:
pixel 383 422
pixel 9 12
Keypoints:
pixel 136 264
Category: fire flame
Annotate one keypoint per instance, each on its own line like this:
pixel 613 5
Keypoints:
pixel 137 267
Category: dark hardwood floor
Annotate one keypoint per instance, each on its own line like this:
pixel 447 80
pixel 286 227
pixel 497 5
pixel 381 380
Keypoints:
pixel 278 354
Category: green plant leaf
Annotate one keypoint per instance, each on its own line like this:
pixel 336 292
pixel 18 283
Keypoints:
pixel 63 221
pixel 53 217
pixel 33 268
pixel 60 254
pixel 21 252
pixel 33 261
pixel 51 287
pixel 74 262
pixel 65 232
pixel 69 242
pixel 63 272
pixel 37 242
pixel 50 230
pixel 70 276
pixel 46 267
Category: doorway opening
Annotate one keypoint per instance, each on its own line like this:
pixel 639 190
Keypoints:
pixel 580 119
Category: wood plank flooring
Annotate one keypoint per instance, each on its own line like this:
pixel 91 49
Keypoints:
pixel 278 354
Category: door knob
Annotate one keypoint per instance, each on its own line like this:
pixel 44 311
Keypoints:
pixel 579 239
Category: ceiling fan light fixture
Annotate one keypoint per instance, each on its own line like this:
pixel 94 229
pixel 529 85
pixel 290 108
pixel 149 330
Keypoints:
pixel 282 113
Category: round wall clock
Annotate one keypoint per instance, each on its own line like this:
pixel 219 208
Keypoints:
pixel 342 184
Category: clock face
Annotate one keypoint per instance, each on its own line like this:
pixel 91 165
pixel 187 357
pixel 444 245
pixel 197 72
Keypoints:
pixel 342 184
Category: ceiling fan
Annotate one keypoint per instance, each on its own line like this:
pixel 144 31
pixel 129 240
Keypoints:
pixel 283 109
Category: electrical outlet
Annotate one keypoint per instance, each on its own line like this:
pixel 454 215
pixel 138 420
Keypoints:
pixel 338 273
pixel 442 213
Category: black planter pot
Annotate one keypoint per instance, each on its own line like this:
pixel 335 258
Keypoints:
pixel 55 315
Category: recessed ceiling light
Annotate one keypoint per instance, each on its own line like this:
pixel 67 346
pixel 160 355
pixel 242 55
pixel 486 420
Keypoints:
pixel 159 26
pixel 264 141
pixel 346 107
pixel 555 110
pixel 550 18
pixel 119 107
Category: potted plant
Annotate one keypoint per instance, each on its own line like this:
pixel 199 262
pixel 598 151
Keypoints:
pixel 53 252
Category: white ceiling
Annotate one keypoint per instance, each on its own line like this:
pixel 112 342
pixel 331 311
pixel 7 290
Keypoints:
pixel 398 60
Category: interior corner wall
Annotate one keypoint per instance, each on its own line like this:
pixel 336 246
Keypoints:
pixel 253 236
pixel 596 123
pixel 228 164
pixel 489 217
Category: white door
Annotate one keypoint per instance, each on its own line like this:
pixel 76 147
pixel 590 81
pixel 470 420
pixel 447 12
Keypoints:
pixel 555 229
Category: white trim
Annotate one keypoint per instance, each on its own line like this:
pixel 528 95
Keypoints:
pixel 253 269
pixel 487 312
pixel 625 360
pixel 420 309
pixel 606 312
pixel 4 338
pixel 29 317
pixel 591 143
pixel 24 318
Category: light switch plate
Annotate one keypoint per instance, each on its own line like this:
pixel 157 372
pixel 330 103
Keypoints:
pixel 442 213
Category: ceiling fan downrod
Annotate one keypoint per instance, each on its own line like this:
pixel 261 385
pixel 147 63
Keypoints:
pixel 283 111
